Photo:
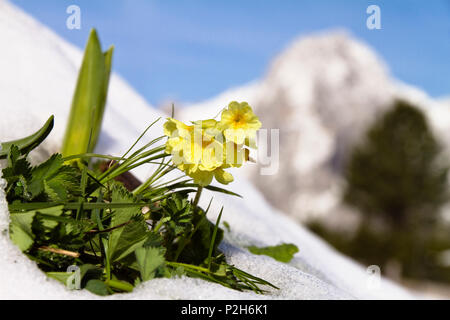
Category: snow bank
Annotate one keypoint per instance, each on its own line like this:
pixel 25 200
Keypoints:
pixel 38 77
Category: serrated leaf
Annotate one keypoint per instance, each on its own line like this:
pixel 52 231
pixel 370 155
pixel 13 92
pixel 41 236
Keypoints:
pixel 17 175
pixel 124 240
pixel 283 252
pixel 63 185
pixel 43 172
pixel 149 259
pixel 153 240
pixel 57 181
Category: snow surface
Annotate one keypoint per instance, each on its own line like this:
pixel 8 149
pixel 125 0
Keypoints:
pixel 39 71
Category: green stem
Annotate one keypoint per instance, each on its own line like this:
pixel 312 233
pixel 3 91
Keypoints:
pixel 108 265
pixel 120 285
pixel 197 196
pixel 103 242
pixel 159 225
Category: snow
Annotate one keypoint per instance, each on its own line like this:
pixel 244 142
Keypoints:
pixel 39 71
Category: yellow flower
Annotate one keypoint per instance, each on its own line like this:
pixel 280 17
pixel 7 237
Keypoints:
pixel 239 123
pixel 235 155
pixel 204 178
pixel 173 126
pixel 222 176
pixel 196 151
pixel 206 148
pixel 177 132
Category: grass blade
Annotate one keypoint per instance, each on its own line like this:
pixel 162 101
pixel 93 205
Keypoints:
pixel 213 239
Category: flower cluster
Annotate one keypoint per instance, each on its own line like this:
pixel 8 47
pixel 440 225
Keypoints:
pixel 206 148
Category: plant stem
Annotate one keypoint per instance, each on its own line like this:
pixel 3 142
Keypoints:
pixel 123 286
pixel 159 225
pixel 197 196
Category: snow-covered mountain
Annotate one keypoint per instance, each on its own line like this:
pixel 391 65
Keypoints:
pixel 321 92
pixel 39 71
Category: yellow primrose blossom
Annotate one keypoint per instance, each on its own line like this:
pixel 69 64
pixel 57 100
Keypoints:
pixel 173 126
pixel 204 178
pixel 235 155
pixel 195 150
pixel 206 148
pixel 239 123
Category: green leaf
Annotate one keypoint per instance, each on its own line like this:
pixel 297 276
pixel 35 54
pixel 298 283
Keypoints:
pixel 20 230
pixel 48 168
pixel 177 214
pixel 17 175
pixel 198 248
pixel 283 252
pixel 59 182
pixel 87 272
pixel 60 276
pixel 153 240
pixel 222 190
pixel 89 100
pixel 124 240
pixel 46 216
pixel 108 55
pixel 97 287
pixel 149 260
pixel 27 144
pixel 64 185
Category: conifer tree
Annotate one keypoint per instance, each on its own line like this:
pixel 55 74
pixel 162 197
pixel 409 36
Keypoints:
pixel 395 176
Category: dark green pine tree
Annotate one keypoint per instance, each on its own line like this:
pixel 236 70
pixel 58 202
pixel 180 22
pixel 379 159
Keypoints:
pixel 395 176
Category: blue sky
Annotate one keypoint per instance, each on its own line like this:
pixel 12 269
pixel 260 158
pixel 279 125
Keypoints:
pixel 192 50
